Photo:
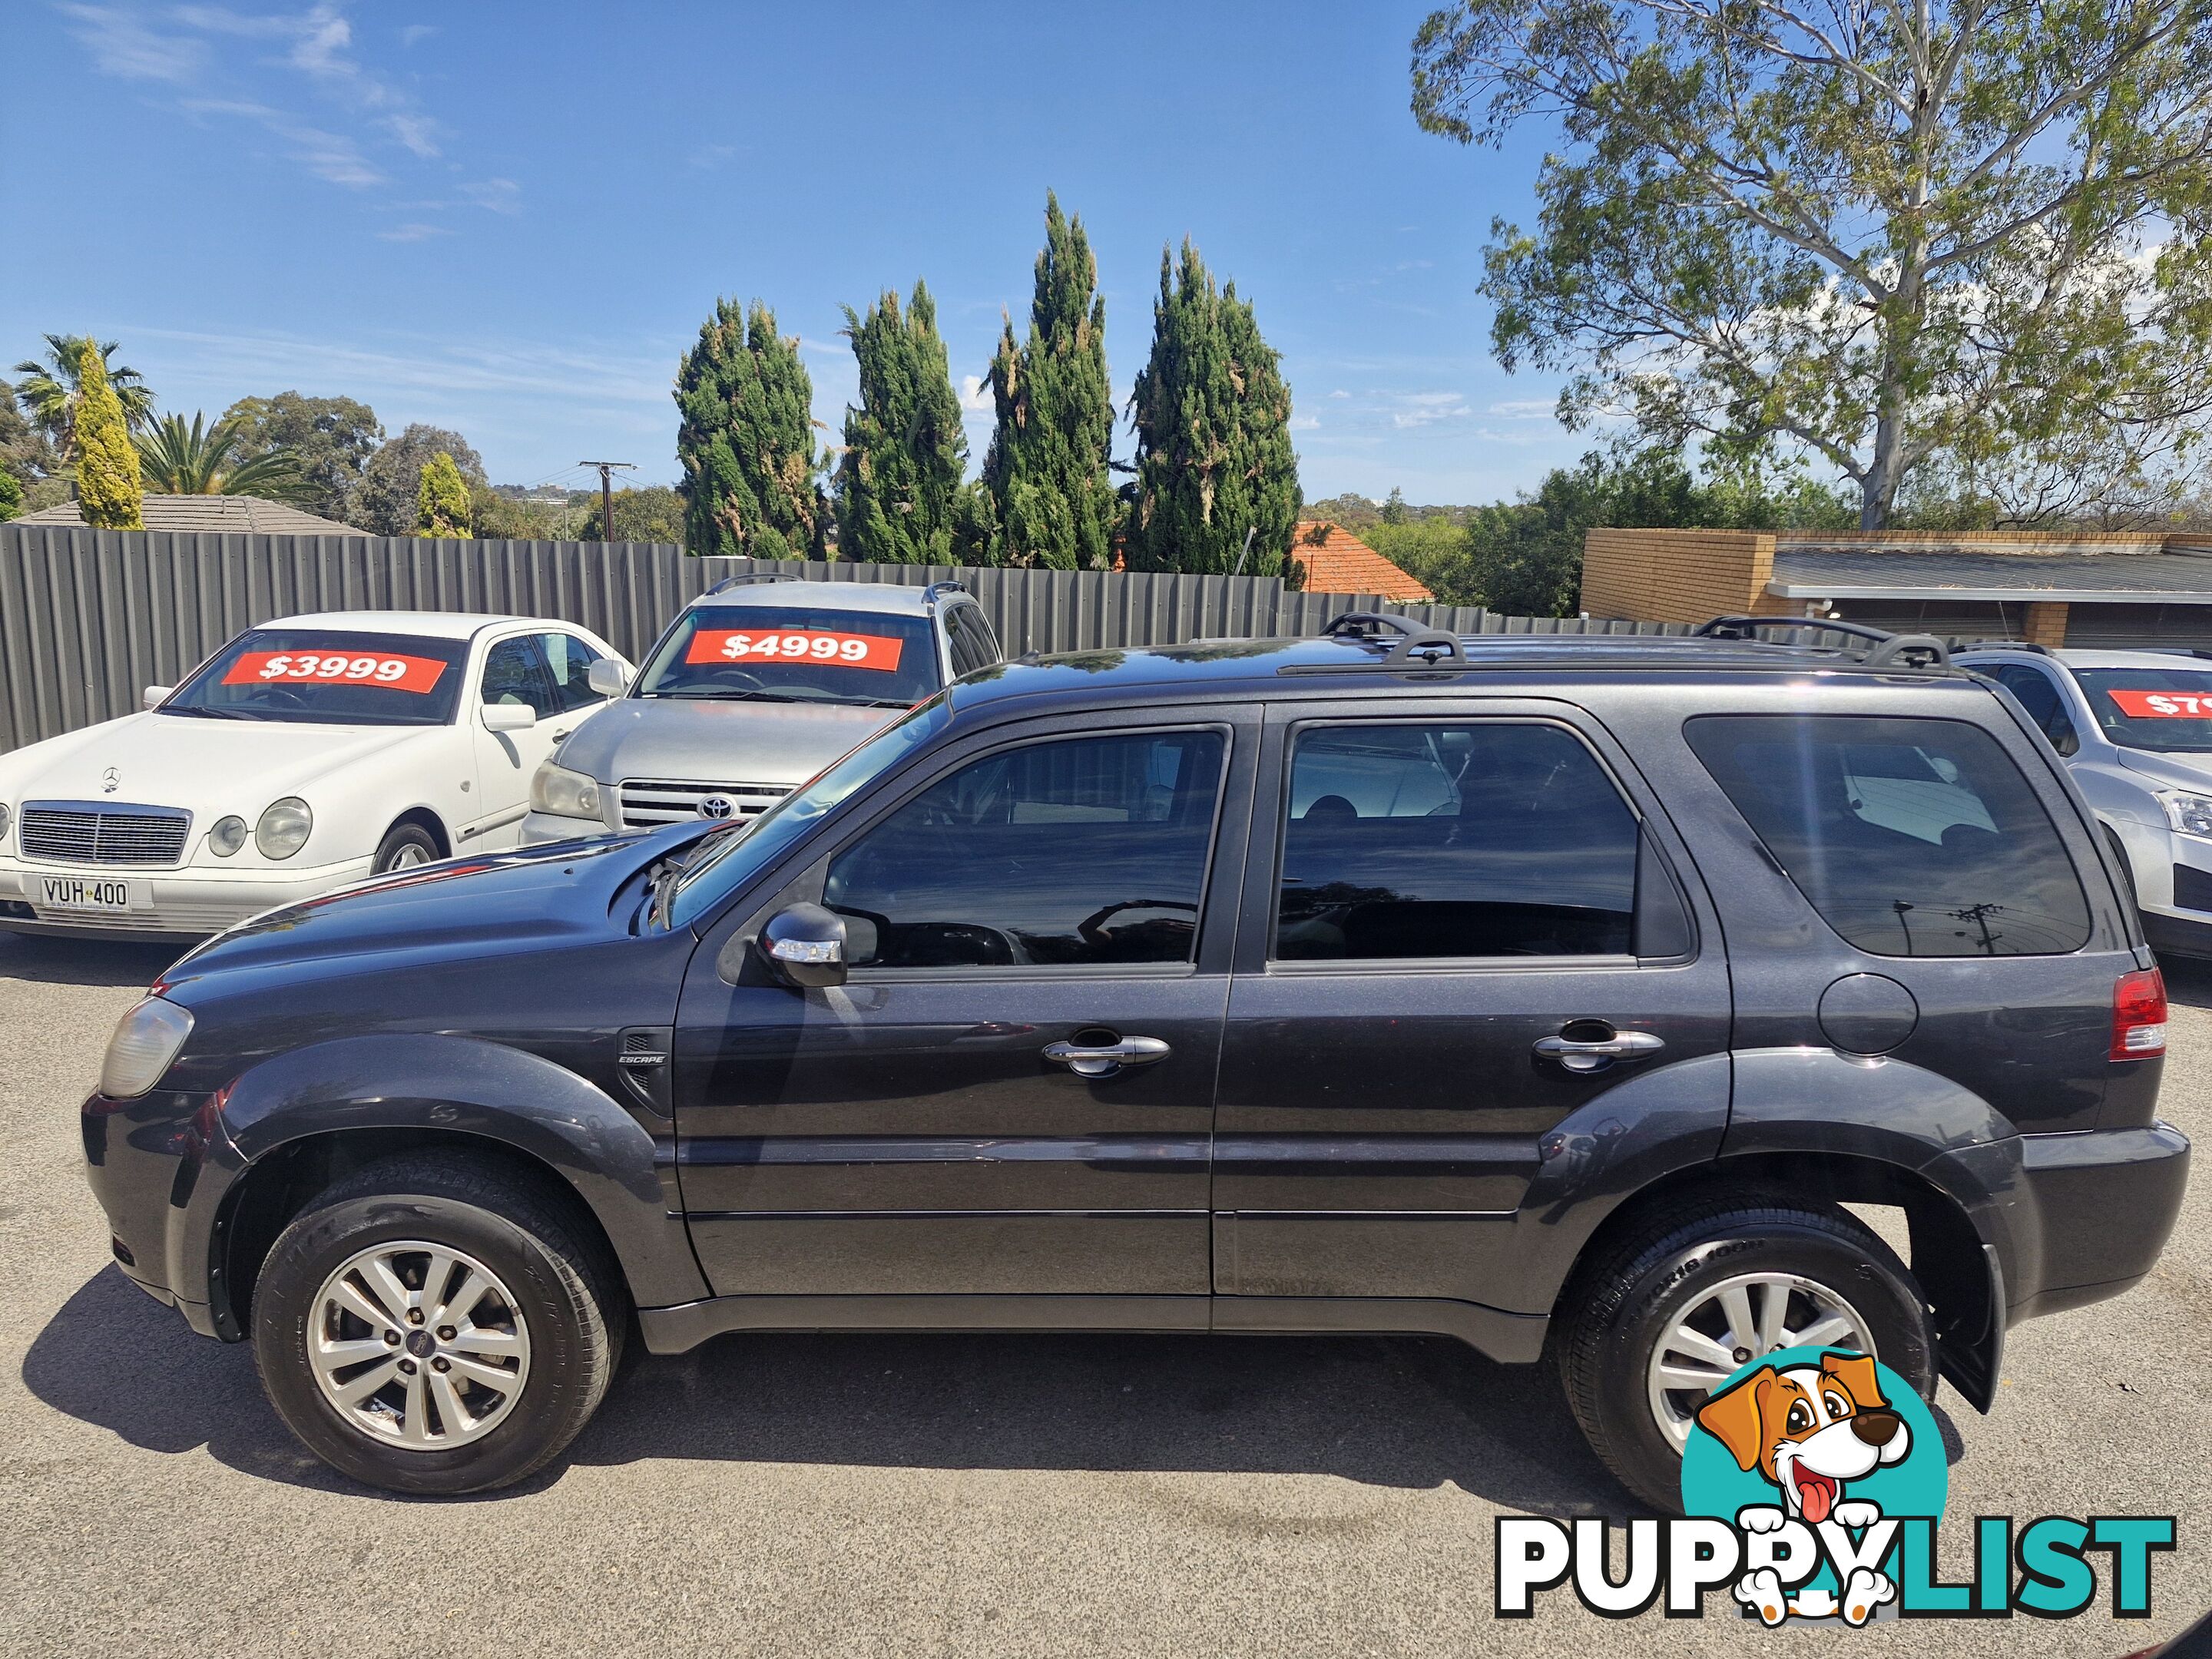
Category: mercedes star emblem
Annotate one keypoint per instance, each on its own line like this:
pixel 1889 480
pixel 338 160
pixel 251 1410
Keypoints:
pixel 111 781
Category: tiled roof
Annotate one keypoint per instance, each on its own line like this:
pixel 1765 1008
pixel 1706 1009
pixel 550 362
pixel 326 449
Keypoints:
pixel 1869 573
pixel 1341 563
pixel 214 514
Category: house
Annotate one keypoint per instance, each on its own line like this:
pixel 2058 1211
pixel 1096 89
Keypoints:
pixel 2108 590
pixel 1335 561
pixel 241 515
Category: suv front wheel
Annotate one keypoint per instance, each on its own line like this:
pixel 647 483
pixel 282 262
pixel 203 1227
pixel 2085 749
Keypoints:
pixel 436 1325
pixel 1708 1286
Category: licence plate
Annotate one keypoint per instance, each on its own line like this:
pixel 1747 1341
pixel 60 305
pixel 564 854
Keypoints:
pixel 81 893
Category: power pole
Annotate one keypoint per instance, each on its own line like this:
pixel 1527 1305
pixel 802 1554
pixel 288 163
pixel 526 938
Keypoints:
pixel 607 493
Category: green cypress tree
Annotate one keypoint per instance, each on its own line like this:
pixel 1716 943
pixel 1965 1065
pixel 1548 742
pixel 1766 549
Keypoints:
pixel 1212 415
pixel 11 496
pixel 1047 470
pixel 900 499
pixel 746 440
pixel 107 489
pixel 441 500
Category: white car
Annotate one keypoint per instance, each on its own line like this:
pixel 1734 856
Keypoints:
pixel 2134 728
pixel 307 754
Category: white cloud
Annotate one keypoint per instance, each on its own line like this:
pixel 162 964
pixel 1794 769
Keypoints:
pixel 1339 392
pixel 707 157
pixel 1305 423
pixel 975 397
pixel 1524 409
pixel 122 45
pixel 1417 408
pixel 415 31
pixel 414 232
pixel 496 195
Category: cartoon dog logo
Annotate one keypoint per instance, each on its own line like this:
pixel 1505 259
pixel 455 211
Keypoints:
pixel 1809 1429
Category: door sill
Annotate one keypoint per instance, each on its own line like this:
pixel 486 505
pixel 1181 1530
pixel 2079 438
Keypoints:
pixel 1508 1338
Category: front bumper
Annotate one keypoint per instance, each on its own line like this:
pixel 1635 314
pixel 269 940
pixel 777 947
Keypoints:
pixel 543 828
pixel 159 1165
pixel 191 902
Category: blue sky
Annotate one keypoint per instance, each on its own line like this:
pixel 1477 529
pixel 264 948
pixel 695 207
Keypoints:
pixel 511 219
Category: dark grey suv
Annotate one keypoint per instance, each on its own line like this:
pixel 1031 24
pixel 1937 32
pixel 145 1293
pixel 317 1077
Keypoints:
pixel 1555 993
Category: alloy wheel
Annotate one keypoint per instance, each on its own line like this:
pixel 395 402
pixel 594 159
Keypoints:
pixel 1733 1324
pixel 418 1346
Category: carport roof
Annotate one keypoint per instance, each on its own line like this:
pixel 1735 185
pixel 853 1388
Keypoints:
pixel 1884 574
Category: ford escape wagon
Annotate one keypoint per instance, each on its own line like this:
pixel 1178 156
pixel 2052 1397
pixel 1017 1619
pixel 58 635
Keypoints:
pixel 1557 995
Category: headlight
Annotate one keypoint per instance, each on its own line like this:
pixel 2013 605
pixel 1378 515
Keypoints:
pixel 2190 814
pixel 227 836
pixel 283 828
pixel 566 794
pixel 146 1039
pixel 4 815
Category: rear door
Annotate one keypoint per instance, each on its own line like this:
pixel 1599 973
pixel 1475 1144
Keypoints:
pixel 1463 925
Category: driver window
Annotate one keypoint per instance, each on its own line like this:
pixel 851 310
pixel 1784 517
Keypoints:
pixel 514 673
pixel 2033 691
pixel 1087 851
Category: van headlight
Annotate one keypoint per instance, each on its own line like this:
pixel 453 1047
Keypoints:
pixel 564 793
pixel 283 828
pixel 2191 815
pixel 146 1039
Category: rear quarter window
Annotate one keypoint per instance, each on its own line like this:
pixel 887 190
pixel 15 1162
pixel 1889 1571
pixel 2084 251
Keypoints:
pixel 1911 837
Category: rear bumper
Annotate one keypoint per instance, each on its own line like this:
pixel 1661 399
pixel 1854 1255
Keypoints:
pixel 2104 1203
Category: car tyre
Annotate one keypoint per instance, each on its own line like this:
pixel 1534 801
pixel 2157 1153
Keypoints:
pixel 566 1294
pixel 1624 1303
pixel 405 847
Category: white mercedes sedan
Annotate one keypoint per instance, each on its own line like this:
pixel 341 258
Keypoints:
pixel 307 754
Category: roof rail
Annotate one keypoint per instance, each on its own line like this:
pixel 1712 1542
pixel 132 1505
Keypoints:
pixel 1368 625
pixel 1884 649
pixel 929 593
pixel 2028 646
pixel 748 581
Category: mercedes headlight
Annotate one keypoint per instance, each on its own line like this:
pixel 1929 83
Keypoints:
pixel 228 836
pixel 283 828
pixel 146 1039
pixel 564 793
pixel 2191 815
pixel 4 815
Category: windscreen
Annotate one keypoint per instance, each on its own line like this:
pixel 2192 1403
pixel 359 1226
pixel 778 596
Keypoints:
pixel 327 677
pixel 795 653
pixel 2167 709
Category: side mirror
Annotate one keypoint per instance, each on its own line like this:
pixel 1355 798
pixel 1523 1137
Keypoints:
pixel 607 676
pixel 153 695
pixel 509 717
pixel 805 946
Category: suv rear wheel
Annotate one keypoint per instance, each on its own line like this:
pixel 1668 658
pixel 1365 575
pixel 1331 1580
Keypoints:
pixel 1708 1286
pixel 434 1325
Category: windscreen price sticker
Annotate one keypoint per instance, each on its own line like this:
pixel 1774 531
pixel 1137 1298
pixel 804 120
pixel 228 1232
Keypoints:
pixel 416 674
pixel 2163 705
pixel 795 645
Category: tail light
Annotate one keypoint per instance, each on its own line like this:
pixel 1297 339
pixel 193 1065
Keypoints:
pixel 2139 1016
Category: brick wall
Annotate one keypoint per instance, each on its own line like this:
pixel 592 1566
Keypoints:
pixel 1679 575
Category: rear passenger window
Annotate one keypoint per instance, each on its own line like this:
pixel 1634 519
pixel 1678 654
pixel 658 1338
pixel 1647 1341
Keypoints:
pixel 1472 840
pixel 1911 837
pixel 1084 852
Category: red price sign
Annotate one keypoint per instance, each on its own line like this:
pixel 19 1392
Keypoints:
pixel 2164 705
pixel 416 674
pixel 794 645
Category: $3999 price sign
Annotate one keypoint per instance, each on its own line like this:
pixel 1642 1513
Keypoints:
pixel 396 673
pixel 795 645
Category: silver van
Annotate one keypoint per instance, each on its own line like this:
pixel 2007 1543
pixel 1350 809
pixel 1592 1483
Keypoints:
pixel 755 687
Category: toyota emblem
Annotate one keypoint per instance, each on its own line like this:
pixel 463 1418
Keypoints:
pixel 717 806
pixel 111 781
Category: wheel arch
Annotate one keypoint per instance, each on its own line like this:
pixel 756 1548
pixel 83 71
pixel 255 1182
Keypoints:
pixel 289 1125
pixel 427 818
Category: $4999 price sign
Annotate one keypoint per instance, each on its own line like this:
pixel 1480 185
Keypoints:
pixel 795 645
pixel 416 674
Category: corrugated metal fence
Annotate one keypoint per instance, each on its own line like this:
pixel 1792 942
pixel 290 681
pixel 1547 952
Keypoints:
pixel 88 618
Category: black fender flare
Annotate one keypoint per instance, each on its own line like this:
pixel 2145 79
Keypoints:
pixel 465 1086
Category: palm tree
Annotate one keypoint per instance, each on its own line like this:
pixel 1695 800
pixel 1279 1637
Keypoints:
pixel 175 459
pixel 48 391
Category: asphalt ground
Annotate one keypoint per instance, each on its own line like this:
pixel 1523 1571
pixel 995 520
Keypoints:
pixel 902 1495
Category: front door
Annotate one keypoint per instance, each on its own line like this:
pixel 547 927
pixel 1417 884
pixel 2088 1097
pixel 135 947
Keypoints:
pixel 514 672
pixel 1013 1093
pixel 1463 928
